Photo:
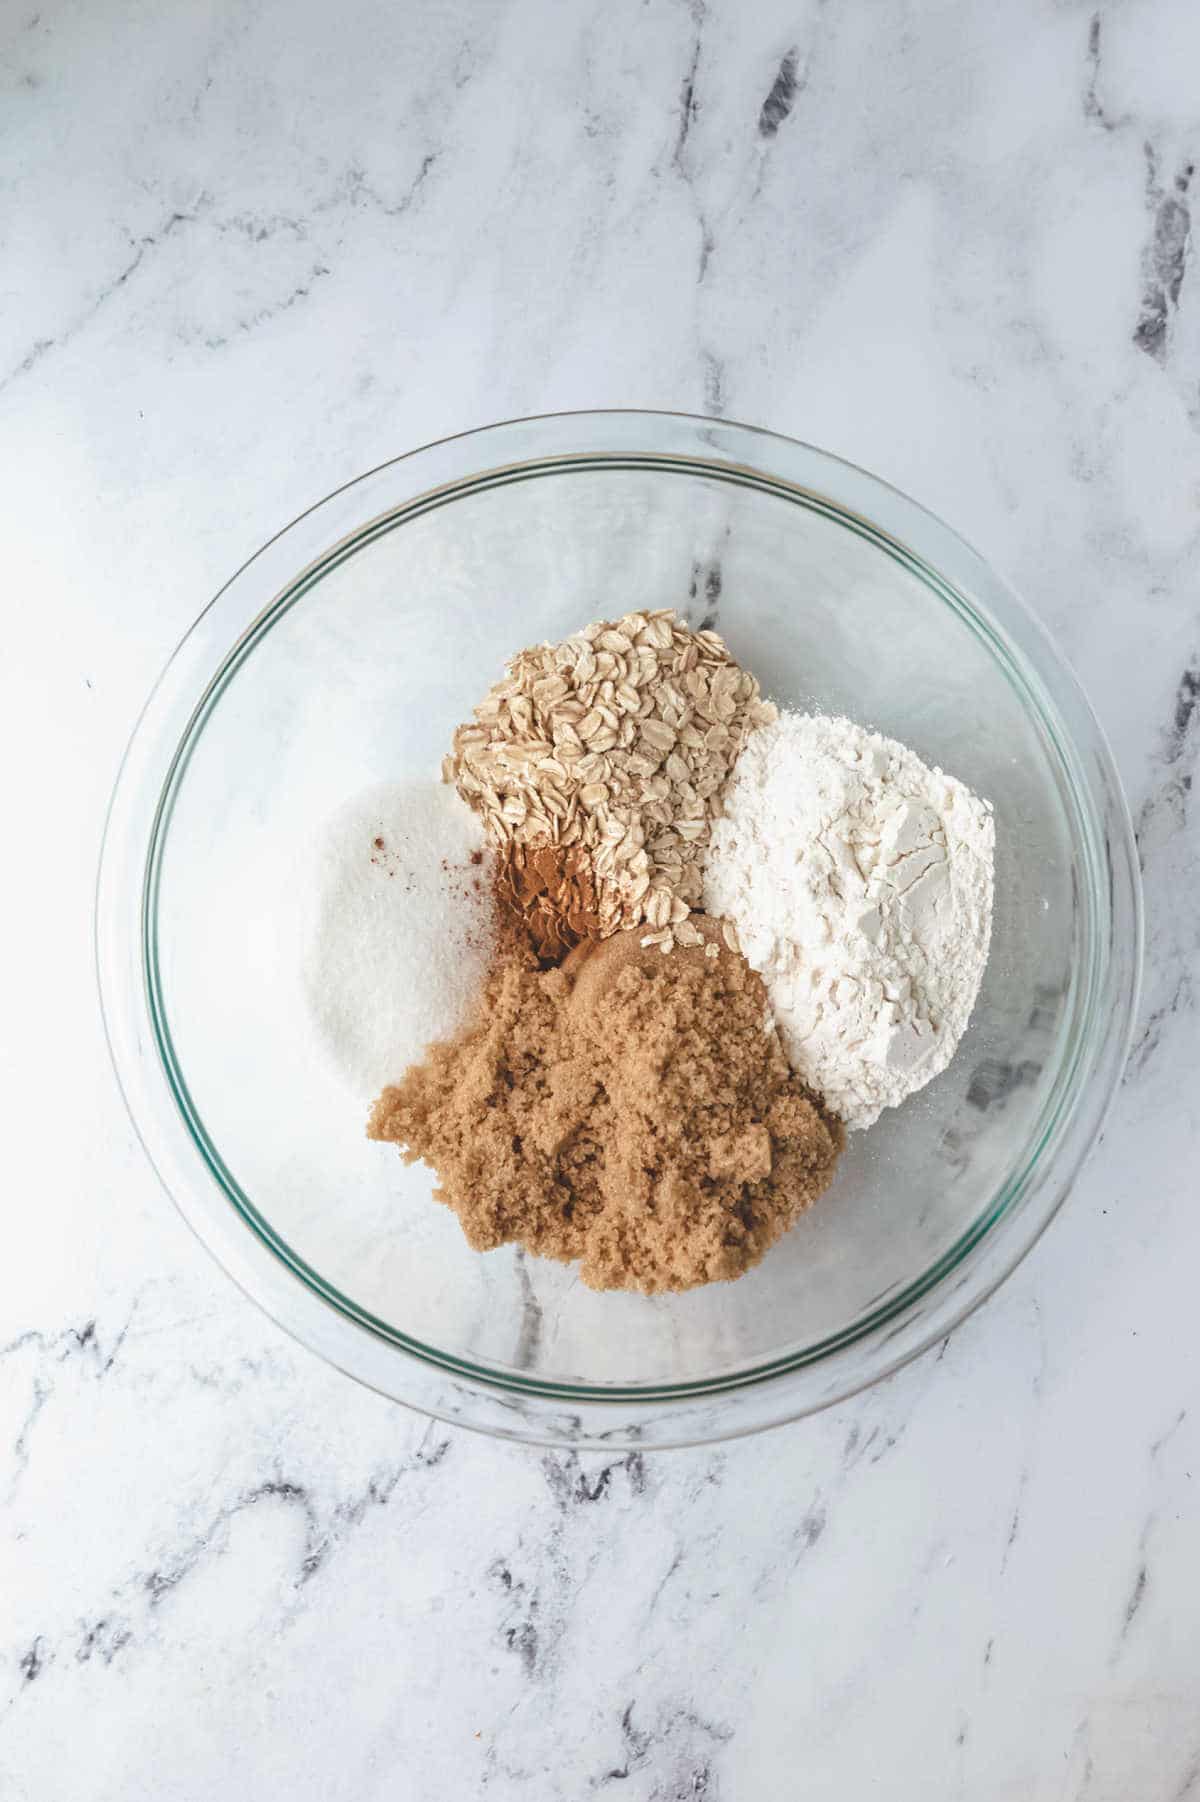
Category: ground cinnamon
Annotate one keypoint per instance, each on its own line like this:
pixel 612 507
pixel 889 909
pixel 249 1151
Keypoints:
pixel 545 901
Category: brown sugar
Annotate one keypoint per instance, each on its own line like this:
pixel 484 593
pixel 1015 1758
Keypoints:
pixel 630 1109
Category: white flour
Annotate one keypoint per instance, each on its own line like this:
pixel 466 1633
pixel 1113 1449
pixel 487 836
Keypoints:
pixel 860 883
pixel 398 934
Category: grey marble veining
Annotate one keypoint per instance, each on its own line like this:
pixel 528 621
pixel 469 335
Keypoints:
pixel 252 249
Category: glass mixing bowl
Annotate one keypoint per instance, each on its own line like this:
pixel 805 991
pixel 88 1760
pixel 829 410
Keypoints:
pixel 342 655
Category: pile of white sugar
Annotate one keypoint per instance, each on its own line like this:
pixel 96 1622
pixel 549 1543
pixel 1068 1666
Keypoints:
pixel 860 884
pixel 398 937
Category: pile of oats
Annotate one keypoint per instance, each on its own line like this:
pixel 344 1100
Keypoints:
pixel 619 740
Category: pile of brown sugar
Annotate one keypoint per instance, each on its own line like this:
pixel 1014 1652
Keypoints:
pixel 629 1110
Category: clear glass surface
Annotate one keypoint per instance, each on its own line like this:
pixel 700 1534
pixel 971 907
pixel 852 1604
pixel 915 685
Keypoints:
pixel 343 655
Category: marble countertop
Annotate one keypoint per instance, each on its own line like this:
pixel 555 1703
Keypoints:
pixel 253 248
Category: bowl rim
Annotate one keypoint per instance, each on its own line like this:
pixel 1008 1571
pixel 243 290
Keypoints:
pixel 498 1398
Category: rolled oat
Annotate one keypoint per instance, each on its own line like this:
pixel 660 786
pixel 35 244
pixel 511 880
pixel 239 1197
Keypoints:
pixel 619 740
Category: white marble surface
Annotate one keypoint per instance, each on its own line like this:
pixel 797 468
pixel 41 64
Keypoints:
pixel 252 248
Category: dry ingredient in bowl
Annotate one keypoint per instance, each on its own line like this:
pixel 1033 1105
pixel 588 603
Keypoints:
pixel 545 901
pixel 633 1111
pixel 665 1119
pixel 401 928
pixel 860 884
pixel 618 741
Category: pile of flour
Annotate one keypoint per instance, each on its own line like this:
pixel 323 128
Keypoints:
pixel 399 928
pixel 860 884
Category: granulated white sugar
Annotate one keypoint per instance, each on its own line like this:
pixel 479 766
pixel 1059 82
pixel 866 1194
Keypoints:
pixel 398 937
